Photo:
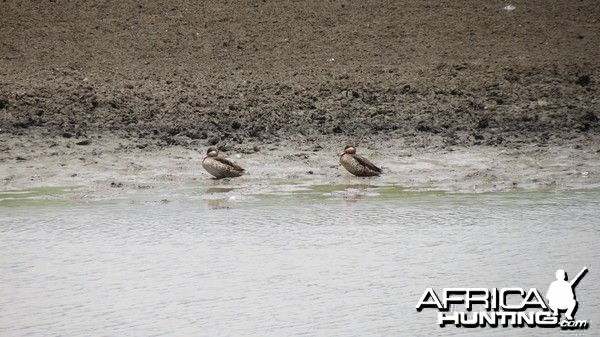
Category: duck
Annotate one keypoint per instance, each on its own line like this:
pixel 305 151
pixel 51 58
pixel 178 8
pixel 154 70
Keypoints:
pixel 358 165
pixel 220 167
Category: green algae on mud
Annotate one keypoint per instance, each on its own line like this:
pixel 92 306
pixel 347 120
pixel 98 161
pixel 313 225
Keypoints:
pixel 40 196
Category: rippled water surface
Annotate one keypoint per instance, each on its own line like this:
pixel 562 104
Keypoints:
pixel 323 261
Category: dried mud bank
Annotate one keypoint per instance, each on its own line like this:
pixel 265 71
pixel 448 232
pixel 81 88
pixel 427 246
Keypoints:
pixel 82 82
pixel 502 107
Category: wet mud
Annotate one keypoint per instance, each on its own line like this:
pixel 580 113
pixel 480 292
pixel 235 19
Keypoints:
pixel 101 81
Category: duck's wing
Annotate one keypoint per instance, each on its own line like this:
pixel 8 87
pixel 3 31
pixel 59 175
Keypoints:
pixel 230 164
pixel 366 163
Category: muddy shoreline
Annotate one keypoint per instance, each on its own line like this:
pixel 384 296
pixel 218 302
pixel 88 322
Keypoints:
pixel 84 81
pixel 112 167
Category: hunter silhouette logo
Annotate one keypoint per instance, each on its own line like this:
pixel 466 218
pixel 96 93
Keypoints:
pixel 503 307
pixel 561 294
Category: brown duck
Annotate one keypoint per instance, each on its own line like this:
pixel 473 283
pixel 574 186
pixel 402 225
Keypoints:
pixel 357 165
pixel 219 166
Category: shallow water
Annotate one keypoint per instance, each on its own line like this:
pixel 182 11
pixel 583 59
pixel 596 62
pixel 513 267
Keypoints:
pixel 301 260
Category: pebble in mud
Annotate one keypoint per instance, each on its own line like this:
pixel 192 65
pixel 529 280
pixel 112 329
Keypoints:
pixel 84 142
pixel 583 80
pixel 213 140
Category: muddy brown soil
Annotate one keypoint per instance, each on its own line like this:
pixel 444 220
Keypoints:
pixel 80 80
pixel 226 72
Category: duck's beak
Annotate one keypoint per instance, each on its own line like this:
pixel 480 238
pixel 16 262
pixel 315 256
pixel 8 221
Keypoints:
pixel 342 153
